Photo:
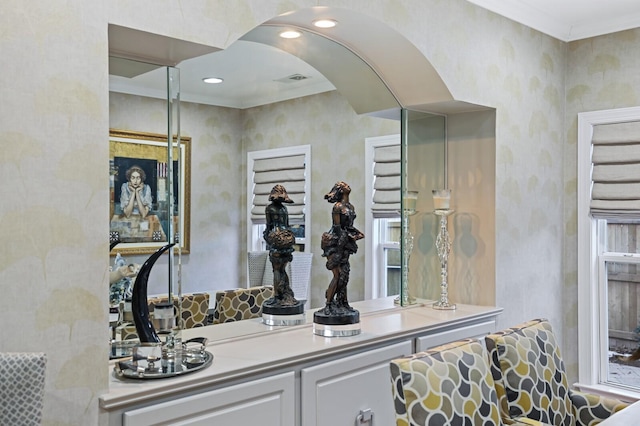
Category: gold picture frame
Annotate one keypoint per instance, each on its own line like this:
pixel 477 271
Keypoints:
pixel 144 232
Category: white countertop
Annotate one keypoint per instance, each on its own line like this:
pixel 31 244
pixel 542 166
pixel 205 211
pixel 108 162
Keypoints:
pixel 250 347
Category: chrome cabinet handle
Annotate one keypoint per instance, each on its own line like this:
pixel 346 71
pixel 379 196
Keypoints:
pixel 365 417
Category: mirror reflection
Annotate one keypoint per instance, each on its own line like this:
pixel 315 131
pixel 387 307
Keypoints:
pixel 268 100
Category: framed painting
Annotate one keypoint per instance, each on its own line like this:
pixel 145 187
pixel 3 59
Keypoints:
pixel 148 199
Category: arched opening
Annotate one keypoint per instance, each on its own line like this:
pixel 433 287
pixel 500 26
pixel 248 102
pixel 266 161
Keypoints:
pixel 378 71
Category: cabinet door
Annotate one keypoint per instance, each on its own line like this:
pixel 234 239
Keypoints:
pixel 334 393
pixel 271 400
pixel 436 339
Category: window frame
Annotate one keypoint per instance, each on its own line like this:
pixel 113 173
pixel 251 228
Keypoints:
pixel 254 234
pixel 381 256
pixel 374 253
pixel 592 299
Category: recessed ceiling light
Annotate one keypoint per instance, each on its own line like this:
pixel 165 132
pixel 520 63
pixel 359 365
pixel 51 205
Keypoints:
pixel 290 34
pixel 212 80
pixel 325 23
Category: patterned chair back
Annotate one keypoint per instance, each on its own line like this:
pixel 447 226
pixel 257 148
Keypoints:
pixel 195 310
pixel 240 304
pixel 447 385
pixel 300 277
pixel 529 374
pixel 22 378
pixel 257 266
pixel 195 307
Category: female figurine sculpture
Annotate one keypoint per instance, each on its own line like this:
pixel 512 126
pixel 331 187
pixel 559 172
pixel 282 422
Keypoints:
pixel 337 245
pixel 280 240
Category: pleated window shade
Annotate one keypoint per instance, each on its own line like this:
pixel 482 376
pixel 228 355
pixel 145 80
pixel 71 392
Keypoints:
pixel 288 171
pixel 386 185
pixel 615 178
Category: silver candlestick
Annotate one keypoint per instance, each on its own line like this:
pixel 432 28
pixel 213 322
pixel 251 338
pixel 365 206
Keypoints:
pixel 405 299
pixel 443 245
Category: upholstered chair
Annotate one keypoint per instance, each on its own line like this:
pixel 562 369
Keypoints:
pixel 447 385
pixel 531 380
pixel 22 379
pixel 240 304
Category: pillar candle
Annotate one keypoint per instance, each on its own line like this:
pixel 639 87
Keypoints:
pixel 441 198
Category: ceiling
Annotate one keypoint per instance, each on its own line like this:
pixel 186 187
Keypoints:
pixel 569 20
pixel 256 74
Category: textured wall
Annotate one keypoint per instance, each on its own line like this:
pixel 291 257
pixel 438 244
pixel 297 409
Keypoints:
pixel 602 73
pixel 54 122
pixel 221 138
pixel 336 135
pixel 54 117
pixel 216 188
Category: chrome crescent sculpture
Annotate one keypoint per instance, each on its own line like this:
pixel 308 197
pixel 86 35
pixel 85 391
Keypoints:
pixel 139 306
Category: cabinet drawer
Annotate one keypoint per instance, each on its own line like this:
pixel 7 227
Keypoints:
pixel 474 330
pixel 335 392
pixel 272 400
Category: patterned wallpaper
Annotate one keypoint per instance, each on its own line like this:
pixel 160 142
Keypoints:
pixel 221 138
pixel 602 73
pixel 216 187
pixel 336 135
pixel 55 120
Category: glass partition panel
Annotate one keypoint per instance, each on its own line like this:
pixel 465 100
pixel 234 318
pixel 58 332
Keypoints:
pixel 423 169
pixel 175 164
pixel 156 213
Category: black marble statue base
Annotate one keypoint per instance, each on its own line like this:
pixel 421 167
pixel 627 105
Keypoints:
pixel 336 316
pixel 334 322
pixel 273 308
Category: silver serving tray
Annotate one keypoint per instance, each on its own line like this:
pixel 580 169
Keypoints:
pixel 191 362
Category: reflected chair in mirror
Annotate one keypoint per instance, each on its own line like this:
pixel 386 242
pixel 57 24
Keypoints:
pixel 447 385
pixel 531 381
pixel 300 277
pixel 195 310
pixel 257 265
pixel 195 307
pixel 240 304
pixel 22 380
pixel 299 271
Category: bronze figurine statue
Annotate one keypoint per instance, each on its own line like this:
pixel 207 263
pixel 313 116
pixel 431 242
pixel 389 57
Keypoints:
pixel 338 244
pixel 280 240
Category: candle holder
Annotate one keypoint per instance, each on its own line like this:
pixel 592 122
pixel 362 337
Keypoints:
pixel 443 245
pixel 404 298
pixel 409 208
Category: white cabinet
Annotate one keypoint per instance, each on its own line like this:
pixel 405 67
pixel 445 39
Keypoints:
pixel 292 377
pixel 270 400
pixel 462 332
pixel 336 392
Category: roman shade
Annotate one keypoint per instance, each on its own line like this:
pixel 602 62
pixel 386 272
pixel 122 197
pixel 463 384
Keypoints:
pixel 288 171
pixel 386 184
pixel 615 175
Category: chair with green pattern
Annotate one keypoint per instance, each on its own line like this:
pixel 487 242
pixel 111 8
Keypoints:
pixel 447 385
pixel 531 381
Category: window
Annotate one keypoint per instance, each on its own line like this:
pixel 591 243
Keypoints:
pixel 387 258
pixel 608 249
pixel 382 220
pixel 286 166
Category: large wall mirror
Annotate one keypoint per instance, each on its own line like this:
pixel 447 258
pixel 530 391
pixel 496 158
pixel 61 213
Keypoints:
pixel 283 94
